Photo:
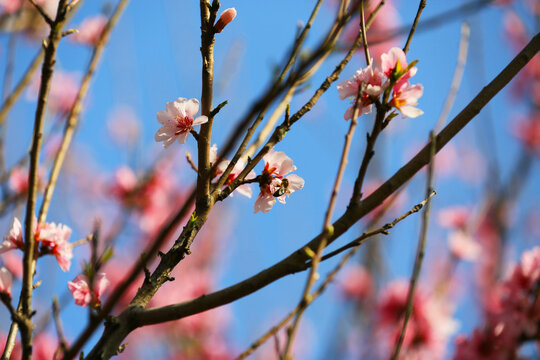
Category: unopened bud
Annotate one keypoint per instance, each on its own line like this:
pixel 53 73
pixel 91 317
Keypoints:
pixel 226 17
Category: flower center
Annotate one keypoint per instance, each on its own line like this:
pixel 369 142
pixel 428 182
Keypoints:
pixel 183 124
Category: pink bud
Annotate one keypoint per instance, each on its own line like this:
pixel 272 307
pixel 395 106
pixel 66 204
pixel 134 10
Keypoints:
pixel 6 279
pixel 226 17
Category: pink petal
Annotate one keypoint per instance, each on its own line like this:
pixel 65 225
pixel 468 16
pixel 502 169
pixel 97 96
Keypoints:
pixel 192 107
pixel 182 137
pixel 410 111
pixel 245 190
pixel 164 117
pixel 200 120
pixel 295 182
pixel 263 203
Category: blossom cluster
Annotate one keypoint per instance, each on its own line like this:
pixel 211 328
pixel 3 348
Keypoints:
pixel 51 238
pixel 391 81
pixel 515 318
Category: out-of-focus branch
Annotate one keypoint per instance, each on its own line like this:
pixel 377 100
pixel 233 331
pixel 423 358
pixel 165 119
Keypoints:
pixel 420 250
pixel 75 112
pixel 456 79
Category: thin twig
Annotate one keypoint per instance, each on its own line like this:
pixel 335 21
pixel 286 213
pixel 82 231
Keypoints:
pixel 419 250
pixel 43 14
pixel 190 162
pixel 421 7
pixel 456 79
pixel 363 32
pixel 29 244
pixel 326 228
pixel 58 325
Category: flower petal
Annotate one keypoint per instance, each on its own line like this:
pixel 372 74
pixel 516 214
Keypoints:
pixel 192 107
pixel 200 120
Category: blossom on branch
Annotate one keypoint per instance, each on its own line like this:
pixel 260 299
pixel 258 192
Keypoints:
pixel 405 97
pixel 53 239
pixel 6 280
pixel 83 294
pixel 244 189
pixel 14 239
pixel 274 185
pixel 177 121
pixel 371 83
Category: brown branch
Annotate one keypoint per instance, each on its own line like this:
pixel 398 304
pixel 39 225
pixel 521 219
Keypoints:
pixel 421 7
pixel 297 260
pixel 29 244
pixel 43 14
pixel 420 250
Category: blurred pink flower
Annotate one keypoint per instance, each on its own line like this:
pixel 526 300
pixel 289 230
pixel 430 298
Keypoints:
pixel 456 217
pixel 123 125
pixel 6 280
pixel 10 6
pixel 63 92
pixel 90 30
pixel 177 121
pixel 429 326
pixel 83 295
pixel 273 183
pixel 371 82
pixel 18 179
pixel 226 17
pixel 528 132
pixel 13 262
pixel 14 239
pixel 464 246
pixel 355 283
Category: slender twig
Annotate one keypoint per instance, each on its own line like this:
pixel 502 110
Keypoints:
pixel 190 162
pixel 25 80
pixel 29 244
pixel 421 7
pixel 74 114
pixel 58 324
pixel 374 13
pixel 456 79
pixel 363 32
pixel 326 228
pixel 43 14
pixel 419 250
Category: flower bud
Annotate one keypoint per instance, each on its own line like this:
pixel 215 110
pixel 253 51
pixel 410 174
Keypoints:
pixel 226 17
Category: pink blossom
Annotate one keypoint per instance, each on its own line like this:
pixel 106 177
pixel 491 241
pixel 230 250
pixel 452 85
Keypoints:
pixel 273 183
pixel 90 30
pixel 13 262
pixel 18 179
pixel 464 246
pixel 356 283
pixel 124 183
pixel 83 295
pixel 10 6
pixel 226 17
pixel 53 239
pixel 63 92
pixel 14 239
pixel 123 126
pixel 405 97
pixel 394 63
pixel 455 217
pixel 6 280
pixel 177 121
pixel 237 169
pixel 371 83
pixel 528 132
